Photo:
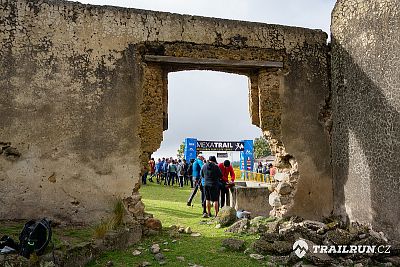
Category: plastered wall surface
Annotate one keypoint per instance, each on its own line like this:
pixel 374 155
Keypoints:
pixel 366 106
pixel 81 110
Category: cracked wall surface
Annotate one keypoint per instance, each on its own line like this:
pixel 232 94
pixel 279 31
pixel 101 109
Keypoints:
pixel 366 106
pixel 77 97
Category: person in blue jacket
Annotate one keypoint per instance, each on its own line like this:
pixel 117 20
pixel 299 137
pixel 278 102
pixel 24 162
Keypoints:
pixel 197 165
pixel 159 170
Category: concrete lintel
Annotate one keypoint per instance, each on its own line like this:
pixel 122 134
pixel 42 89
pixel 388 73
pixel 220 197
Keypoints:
pixel 214 62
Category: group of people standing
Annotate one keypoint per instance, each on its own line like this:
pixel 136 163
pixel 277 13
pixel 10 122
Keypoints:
pixel 168 171
pixel 213 179
pixel 214 183
pixel 267 169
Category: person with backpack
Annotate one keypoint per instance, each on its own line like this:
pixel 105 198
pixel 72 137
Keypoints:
pixel 172 172
pixel 212 175
pixel 181 172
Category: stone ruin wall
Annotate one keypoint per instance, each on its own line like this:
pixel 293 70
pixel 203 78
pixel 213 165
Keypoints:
pixel 78 101
pixel 366 106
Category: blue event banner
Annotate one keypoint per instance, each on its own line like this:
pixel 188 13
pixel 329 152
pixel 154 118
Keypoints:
pixel 247 156
pixel 190 148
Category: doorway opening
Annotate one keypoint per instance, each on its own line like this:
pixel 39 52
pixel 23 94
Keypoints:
pixel 209 106
pixel 263 69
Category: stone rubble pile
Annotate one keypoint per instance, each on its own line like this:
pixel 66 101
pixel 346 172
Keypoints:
pixel 278 236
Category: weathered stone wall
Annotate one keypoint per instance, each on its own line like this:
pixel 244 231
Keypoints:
pixel 77 97
pixel 366 106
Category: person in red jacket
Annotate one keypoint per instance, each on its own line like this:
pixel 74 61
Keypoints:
pixel 225 184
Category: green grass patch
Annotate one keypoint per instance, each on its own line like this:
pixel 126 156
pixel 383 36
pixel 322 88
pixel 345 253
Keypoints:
pixel 12 229
pixel 78 233
pixel 169 205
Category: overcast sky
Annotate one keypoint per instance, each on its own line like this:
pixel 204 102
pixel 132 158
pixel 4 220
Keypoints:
pixel 214 105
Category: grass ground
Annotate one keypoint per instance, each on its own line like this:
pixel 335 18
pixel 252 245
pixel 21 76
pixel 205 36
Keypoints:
pixel 169 205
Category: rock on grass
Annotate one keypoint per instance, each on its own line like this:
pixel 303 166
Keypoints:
pixel 257 256
pixel 159 257
pixel 136 252
pixel 155 248
pixel 226 216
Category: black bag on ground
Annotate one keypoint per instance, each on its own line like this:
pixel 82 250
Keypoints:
pixel 34 237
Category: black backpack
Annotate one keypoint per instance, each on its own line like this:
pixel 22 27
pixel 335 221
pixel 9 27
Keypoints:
pixel 34 237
